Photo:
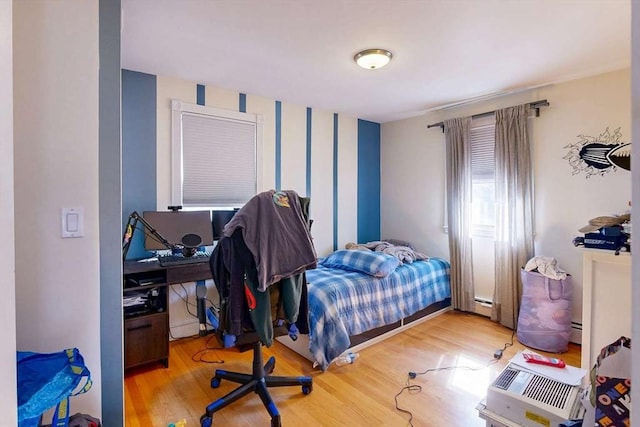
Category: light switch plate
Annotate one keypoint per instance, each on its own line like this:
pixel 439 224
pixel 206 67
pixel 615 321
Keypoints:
pixel 72 222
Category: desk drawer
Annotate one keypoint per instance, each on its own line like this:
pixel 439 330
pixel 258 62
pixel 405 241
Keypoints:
pixel 188 273
pixel 146 339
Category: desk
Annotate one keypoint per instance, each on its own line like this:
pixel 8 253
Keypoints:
pixel 146 327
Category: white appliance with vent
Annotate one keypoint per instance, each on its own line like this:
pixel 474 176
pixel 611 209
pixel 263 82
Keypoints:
pixel 520 397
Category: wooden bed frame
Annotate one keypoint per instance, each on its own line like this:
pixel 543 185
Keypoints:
pixel 373 336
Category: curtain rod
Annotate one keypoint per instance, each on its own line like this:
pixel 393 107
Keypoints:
pixel 535 105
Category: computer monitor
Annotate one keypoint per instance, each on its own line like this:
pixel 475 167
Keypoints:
pixel 173 226
pixel 219 218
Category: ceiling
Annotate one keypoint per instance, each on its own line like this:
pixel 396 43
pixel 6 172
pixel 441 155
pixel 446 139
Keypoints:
pixel 444 51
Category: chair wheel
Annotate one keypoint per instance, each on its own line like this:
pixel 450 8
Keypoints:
pixel 206 421
pixel 306 389
pixel 275 422
pixel 215 382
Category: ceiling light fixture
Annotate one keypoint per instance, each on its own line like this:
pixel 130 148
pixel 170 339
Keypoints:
pixel 372 59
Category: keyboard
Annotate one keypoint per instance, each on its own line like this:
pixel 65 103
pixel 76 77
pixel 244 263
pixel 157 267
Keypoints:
pixel 171 260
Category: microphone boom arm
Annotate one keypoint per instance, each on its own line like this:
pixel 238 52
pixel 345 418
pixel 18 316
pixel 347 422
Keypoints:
pixel 130 229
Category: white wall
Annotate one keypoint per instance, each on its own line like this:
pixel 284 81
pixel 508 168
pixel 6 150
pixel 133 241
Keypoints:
pixel 413 160
pixel 56 165
pixel 293 171
pixel 412 185
pixel 294 148
pixel 8 403
pixel 347 177
pixel 322 181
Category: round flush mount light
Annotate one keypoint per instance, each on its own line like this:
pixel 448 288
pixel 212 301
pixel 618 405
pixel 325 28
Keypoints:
pixel 372 59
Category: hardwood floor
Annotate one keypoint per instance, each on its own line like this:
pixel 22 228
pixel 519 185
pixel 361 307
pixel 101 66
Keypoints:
pixel 361 394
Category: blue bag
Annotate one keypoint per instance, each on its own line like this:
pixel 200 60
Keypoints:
pixel 46 380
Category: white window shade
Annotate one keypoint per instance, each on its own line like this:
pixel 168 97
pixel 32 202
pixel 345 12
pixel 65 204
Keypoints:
pixel 483 136
pixel 215 156
pixel 483 157
pixel 218 161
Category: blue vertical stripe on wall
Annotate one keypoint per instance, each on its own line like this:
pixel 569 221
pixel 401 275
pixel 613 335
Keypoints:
pixel 200 95
pixel 278 145
pixel 138 151
pixel 368 181
pixel 242 103
pixel 309 152
pixel 335 181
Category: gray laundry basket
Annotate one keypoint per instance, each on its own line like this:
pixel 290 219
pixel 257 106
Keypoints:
pixel 544 321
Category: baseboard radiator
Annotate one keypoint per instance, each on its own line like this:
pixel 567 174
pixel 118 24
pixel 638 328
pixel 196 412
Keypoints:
pixel 483 307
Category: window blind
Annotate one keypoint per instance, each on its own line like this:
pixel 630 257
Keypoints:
pixel 218 160
pixel 483 135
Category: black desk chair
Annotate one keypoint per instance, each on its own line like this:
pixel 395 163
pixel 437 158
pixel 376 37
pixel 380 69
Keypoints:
pixel 260 379
pixel 258 382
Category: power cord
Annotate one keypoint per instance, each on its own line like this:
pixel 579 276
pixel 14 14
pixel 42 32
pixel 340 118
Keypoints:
pixel 185 298
pixel 188 303
pixel 411 388
pixel 199 356
pixel 414 388
pixel 216 308
pixel 497 355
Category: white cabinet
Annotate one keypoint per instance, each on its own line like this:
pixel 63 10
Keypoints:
pixel 606 301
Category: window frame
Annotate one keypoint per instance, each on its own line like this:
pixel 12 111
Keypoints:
pixel 178 108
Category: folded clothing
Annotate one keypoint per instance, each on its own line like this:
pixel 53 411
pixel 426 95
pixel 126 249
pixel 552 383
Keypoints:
pixel 547 266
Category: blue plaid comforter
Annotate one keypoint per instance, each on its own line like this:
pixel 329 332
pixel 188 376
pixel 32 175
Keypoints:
pixel 345 303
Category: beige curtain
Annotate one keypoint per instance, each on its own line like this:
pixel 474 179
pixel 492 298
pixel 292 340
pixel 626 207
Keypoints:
pixel 458 166
pixel 514 211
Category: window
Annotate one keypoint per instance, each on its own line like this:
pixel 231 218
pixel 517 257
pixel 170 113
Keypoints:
pixel 215 153
pixel 483 214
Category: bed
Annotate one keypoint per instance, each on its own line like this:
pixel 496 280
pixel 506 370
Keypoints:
pixel 357 295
